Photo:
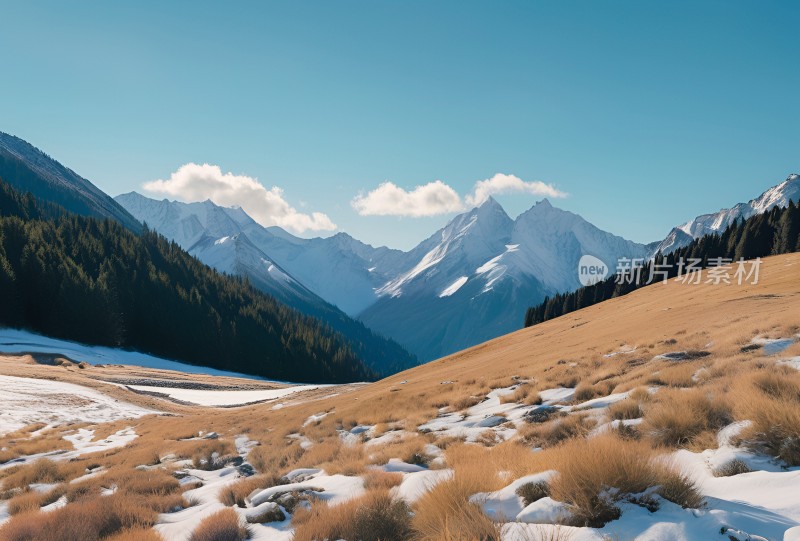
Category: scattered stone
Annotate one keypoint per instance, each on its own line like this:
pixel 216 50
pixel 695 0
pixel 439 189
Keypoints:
pixel 246 470
pixel 491 421
pixel 220 462
pixel 682 355
pixel 266 512
pixel 540 414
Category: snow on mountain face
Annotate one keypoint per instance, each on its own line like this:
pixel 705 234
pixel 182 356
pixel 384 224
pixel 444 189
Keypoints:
pixel 185 223
pixel 237 255
pixel 476 277
pixel 706 224
pixel 339 269
pixel 552 241
pixel 230 241
pixel 461 246
pixel 485 245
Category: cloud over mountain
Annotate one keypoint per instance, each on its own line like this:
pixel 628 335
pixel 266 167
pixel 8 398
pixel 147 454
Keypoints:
pixel 388 199
pixel 436 197
pixel 193 182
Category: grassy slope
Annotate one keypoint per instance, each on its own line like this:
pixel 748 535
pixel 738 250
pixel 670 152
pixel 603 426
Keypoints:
pixel 656 319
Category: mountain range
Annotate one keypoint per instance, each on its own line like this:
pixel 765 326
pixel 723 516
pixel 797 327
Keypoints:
pixel 470 281
pixel 707 224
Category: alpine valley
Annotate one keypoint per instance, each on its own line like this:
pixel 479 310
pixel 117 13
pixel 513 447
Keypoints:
pixel 469 282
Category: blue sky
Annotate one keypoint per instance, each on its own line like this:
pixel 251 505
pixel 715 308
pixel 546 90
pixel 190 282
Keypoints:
pixel 646 113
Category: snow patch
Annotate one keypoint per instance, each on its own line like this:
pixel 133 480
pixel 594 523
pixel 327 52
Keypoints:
pixel 204 397
pixel 455 286
pixel 25 401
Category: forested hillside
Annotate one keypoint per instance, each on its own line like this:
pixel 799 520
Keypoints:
pixel 771 233
pixel 96 282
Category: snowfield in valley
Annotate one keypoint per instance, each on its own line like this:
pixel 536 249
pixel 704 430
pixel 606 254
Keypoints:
pixel 26 401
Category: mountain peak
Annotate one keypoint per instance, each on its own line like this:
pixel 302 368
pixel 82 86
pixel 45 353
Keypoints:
pixel 489 208
pixel 490 202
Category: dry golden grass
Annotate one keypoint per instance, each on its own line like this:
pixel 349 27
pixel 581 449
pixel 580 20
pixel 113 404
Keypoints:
pixel 625 409
pixel 83 520
pixel 523 394
pixel 22 443
pixel 772 404
pixel 444 513
pixel 137 534
pixel 375 515
pixel 467 402
pixel 381 480
pixel 41 471
pixel 640 395
pixel 680 418
pixel 584 392
pixel 554 432
pixel 587 469
pixel 33 500
pixel 562 351
pixel 236 493
pixel 408 449
pixel 678 375
pixel 223 525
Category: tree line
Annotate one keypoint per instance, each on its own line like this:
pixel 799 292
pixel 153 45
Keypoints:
pixel 771 233
pixel 95 282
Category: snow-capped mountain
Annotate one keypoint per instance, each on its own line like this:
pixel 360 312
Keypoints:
pixel 28 169
pixel 706 224
pixel 469 282
pixel 230 241
pixel 340 269
pixel 473 279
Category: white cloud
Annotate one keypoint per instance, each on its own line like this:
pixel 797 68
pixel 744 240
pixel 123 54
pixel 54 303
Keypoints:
pixel 436 197
pixel 388 199
pixel 193 182
pixel 505 184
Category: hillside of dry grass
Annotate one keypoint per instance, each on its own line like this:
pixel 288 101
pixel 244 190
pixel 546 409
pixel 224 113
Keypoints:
pixel 638 407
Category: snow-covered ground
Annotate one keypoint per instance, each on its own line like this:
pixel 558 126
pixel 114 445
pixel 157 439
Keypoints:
pixel 25 401
pixel 17 341
pixel 204 397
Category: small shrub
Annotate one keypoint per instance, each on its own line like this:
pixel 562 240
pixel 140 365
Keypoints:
pixel 588 469
pixel 137 534
pixel 679 417
pixel 221 526
pixel 533 492
pixel 625 410
pixel 235 493
pixel 584 392
pixel 444 513
pixel 372 517
pixel 519 396
pixel 381 480
pixel 775 427
pixel 32 500
pixel 466 402
pixel 734 467
pixel 777 385
pixel 559 430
